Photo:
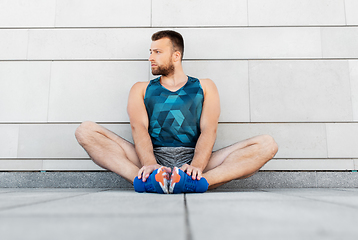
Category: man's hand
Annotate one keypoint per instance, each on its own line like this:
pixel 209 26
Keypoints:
pixel 194 172
pixel 145 171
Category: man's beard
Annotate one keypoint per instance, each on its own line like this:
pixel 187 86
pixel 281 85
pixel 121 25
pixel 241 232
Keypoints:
pixel 164 70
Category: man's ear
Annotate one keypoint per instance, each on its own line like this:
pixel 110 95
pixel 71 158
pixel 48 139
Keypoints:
pixel 177 56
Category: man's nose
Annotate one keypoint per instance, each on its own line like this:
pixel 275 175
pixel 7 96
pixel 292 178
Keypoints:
pixel 150 57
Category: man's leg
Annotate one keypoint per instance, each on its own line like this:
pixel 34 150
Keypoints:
pixel 108 150
pixel 240 160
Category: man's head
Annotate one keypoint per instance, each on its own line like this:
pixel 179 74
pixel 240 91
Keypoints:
pixel 166 52
pixel 175 38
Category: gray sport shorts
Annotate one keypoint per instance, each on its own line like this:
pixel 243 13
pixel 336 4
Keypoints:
pixel 173 156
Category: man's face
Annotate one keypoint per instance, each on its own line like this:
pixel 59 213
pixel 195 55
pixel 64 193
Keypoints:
pixel 161 52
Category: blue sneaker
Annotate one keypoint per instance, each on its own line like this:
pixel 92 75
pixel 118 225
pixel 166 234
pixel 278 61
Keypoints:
pixel 157 182
pixel 180 182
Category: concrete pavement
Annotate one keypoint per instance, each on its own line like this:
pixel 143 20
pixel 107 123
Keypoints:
pixel 99 213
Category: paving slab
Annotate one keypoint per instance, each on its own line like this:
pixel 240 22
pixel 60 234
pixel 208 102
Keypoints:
pixel 101 213
pixel 7 190
pixel 271 215
pixel 125 227
pixel 350 189
pixel 91 214
pixel 99 203
pixel 30 197
pixel 341 197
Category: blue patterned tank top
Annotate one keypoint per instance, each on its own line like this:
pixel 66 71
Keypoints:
pixel 174 117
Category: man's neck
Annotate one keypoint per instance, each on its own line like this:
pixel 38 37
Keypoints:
pixel 177 78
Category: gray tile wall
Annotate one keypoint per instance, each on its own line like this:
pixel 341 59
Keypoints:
pixel 287 68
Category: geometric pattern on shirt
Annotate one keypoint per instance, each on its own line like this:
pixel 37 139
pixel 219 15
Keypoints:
pixel 174 117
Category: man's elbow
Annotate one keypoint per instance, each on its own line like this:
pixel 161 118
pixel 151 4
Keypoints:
pixel 138 127
pixel 209 131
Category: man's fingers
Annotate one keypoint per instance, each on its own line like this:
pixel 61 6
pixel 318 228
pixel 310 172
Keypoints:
pixel 196 174
pixel 145 176
pixel 199 175
pixel 140 172
pixel 189 171
pixel 193 175
pixel 146 173
pixel 184 167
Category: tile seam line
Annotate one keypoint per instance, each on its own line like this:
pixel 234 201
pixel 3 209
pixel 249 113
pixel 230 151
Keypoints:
pixel 184 60
pixel 316 200
pixel 28 44
pixel 345 11
pixel 349 63
pixel 327 140
pixel 47 201
pixel 247 14
pixel 49 92
pixel 179 26
pixel 86 158
pixel 80 215
pixel 221 122
pixel 321 41
pixel 43 158
pixel 55 14
pixel 188 233
pixel 151 13
pixel 249 89
pixel 343 190
pixel 13 191
pixel 95 171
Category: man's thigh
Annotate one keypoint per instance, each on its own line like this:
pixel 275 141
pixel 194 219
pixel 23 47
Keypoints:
pixel 127 146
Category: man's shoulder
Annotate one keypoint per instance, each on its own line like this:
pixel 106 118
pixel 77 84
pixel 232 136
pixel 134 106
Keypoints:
pixel 140 85
pixel 207 84
pixel 139 88
pixel 206 81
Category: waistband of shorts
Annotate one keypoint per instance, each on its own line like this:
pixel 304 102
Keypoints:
pixel 173 148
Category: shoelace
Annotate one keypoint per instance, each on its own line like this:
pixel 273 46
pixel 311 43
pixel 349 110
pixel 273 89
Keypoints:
pixel 149 187
pixel 189 184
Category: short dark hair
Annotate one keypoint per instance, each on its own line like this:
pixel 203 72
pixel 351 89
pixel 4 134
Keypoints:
pixel 175 37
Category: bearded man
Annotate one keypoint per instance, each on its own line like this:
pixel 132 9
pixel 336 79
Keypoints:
pixel 174 120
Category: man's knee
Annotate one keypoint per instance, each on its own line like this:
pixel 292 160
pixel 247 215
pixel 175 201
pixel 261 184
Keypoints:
pixel 84 130
pixel 269 144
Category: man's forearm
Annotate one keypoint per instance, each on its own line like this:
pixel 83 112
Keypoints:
pixel 203 149
pixel 143 146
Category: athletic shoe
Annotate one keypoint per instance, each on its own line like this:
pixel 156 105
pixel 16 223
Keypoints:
pixel 180 182
pixel 157 182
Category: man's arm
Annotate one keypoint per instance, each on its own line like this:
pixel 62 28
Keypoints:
pixel 139 124
pixel 208 127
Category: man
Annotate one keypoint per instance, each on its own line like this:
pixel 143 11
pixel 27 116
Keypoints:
pixel 174 120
